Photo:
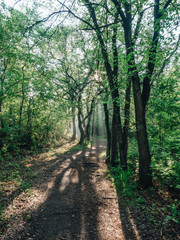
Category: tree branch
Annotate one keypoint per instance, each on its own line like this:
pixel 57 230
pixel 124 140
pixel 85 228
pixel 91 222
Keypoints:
pixel 167 60
pixel 119 8
pixel 103 26
pixel 69 10
pixel 152 54
pixel 45 19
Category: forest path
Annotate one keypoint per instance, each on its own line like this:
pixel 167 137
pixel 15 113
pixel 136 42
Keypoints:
pixel 74 200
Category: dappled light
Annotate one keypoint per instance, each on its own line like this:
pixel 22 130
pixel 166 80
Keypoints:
pixel 71 204
pixel 89 120
pixel 75 200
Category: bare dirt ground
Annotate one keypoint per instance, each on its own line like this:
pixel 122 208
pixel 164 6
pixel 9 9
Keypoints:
pixel 72 199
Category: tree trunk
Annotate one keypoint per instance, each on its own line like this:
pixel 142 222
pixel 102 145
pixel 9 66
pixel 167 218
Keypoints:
pixel 82 134
pixel 88 117
pixel 112 79
pixel 73 124
pixel 88 128
pixel 116 137
pixel 123 163
pixel 29 124
pixel 126 124
pixel 22 104
pixel 20 114
pixel 108 133
pixel 145 174
pixel 80 122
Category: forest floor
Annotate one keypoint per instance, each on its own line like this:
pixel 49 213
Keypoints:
pixel 71 198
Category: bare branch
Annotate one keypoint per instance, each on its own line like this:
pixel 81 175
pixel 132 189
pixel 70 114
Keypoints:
pixel 167 60
pixel 104 26
pixel 69 10
pixel 45 19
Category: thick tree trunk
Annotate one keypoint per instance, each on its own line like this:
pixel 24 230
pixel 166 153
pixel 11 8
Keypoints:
pixel 80 123
pixel 141 99
pixel 93 125
pixel 73 124
pixel 82 133
pixel 145 175
pixel 89 115
pixel 108 133
pixel 126 124
pixel 83 122
pixel 88 128
pixel 116 137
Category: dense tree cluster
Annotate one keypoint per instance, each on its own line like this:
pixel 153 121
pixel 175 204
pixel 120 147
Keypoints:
pixel 120 54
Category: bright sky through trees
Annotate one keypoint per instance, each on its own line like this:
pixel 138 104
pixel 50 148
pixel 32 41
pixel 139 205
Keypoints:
pixel 78 65
pixel 126 44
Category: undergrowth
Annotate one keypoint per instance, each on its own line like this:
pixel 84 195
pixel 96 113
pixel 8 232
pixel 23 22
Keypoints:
pixel 159 210
pixel 16 176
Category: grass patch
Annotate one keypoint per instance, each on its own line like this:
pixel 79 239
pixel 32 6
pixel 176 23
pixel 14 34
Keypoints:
pixel 78 147
pixel 157 209
pixel 16 176
pixel 124 182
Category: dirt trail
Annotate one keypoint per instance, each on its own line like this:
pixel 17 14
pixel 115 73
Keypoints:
pixel 74 200
pixel 79 202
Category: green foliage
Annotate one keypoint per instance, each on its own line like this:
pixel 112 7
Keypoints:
pixel 78 147
pixel 124 181
pixel 43 71
pixel 167 214
pixel 164 131
pixel 133 154
pixel 10 137
pixel 15 171
pixel 173 212
pixel 32 109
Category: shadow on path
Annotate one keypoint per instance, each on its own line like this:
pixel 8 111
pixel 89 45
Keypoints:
pixel 71 207
pixel 81 204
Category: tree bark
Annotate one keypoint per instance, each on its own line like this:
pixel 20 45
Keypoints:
pixel 114 139
pixel 126 124
pixel 80 122
pixel 145 175
pixel 108 133
pixel 29 123
pixel 73 123
pixel 82 134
